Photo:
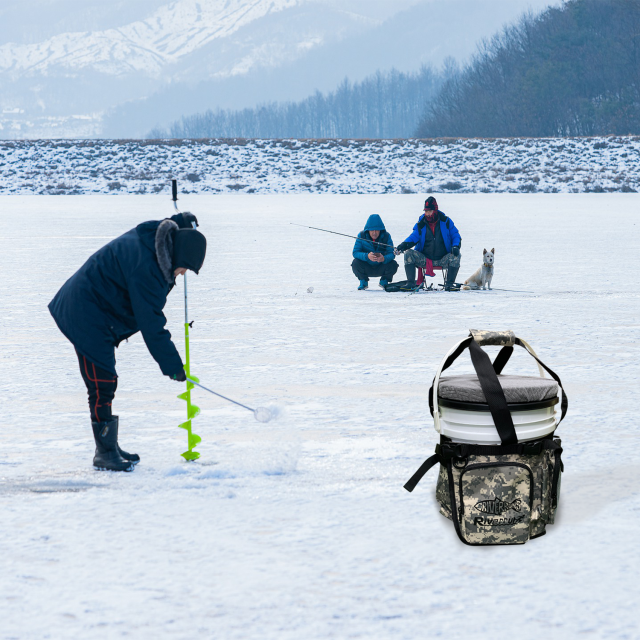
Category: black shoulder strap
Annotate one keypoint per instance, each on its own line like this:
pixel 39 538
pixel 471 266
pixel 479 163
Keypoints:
pixel 421 472
pixel 494 394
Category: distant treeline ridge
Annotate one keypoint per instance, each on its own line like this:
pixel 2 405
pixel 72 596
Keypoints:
pixel 385 105
pixel 574 70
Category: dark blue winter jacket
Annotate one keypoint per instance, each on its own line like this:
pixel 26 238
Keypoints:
pixel 450 234
pixel 365 245
pixel 120 290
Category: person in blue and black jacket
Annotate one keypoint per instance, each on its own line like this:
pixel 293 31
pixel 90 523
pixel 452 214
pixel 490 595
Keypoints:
pixel 373 254
pixel 437 244
pixel 120 290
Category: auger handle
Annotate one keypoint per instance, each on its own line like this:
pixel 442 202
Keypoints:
pixel 244 406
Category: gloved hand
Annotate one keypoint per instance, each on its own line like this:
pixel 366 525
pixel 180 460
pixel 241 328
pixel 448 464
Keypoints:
pixel 455 250
pixel 403 246
pixel 180 376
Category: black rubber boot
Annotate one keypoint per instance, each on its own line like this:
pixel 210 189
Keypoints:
pixel 410 270
pixel 132 457
pixel 452 274
pixel 107 454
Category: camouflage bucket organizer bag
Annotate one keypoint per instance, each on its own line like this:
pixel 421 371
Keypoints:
pixel 505 492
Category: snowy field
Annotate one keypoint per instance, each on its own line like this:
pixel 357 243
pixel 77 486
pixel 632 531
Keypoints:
pixel 300 529
pixel 446 165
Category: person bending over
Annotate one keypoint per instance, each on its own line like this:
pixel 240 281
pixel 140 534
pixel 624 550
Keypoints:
pixel 437 244
pixel 373 255
pixel 120 290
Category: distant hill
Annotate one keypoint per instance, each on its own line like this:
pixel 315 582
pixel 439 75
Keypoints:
pixel 89 68
pixel 571 71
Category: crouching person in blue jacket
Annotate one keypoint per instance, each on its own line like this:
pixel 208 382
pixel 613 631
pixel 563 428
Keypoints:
pixel 373 255
pixel 437 244
pixel 120 290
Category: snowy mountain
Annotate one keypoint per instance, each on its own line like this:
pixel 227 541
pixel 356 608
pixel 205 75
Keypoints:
pixel 157 61
pixel 148 46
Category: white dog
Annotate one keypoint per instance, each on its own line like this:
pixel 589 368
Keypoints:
pixel 484 274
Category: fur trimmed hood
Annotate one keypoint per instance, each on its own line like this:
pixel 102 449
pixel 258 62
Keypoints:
pixel 164 248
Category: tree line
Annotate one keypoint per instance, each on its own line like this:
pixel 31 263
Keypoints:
pixel 385 105
pixel 573 70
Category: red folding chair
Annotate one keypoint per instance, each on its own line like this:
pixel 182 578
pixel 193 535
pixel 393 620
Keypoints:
pixel 422 275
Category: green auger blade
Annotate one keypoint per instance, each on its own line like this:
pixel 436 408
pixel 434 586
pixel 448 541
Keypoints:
pixel 193 411
pixel 184 396
pixel 186 425
pixel 194 440
pixel 190 455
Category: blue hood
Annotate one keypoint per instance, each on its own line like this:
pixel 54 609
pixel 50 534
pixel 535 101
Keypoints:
pixel 374 223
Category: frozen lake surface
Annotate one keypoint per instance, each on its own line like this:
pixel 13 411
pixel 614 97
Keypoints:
pixel 300 529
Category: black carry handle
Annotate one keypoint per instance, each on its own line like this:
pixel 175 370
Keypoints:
pixel 564 405
pixel 501 359
pixel 450 360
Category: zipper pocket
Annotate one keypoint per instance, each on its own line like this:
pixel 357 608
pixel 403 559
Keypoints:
pixel 496 499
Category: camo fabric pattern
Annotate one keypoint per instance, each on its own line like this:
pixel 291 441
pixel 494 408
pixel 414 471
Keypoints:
pixel 411 256
pixel 500 499
pixel 498 338
pixel 442 493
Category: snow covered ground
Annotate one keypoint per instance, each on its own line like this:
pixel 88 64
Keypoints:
pixel 300 528
pixel 447 165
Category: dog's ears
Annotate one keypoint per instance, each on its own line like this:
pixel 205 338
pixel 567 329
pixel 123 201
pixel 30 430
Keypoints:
pixel 484 251
pixel 493 250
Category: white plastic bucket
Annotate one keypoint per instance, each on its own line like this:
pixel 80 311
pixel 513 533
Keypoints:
pixel 477 427
pixel 472 423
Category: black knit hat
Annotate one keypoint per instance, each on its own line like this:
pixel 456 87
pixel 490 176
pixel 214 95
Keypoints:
pixel 189 249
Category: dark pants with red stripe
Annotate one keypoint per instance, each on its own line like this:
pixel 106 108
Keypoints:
pixel 101 387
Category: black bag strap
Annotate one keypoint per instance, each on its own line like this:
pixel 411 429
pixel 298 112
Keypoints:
pixel 449 361
pixel 421 472
pixel 494 394
pixel 557 468
pixel 448 451
pixel 501 359
pixel 564 404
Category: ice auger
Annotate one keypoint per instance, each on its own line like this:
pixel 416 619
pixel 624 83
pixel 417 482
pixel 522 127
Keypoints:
pixel 192 410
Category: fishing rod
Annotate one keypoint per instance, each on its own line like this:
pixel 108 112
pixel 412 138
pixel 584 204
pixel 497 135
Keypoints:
pixel 496 289
pixel 346 235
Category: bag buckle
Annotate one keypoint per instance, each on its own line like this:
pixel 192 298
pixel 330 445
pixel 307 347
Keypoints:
pixel 450 450
pixel 532 448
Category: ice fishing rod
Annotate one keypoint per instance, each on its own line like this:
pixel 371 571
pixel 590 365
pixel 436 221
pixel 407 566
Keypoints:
pixel 496 289
pixel 261 414
pixel 346 235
